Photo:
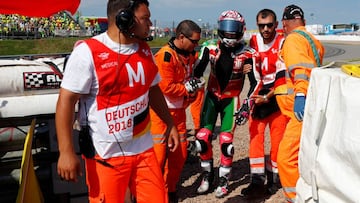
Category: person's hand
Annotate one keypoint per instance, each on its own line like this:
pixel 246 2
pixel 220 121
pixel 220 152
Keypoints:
pixel 193 84
pixel 213 53
pixel 260 99
pixel 247 68
pixel 299 105
pixel 173 139
pixel 68 166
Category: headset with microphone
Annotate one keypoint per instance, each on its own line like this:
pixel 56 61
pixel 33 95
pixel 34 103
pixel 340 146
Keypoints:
pixel 125 18
pixel 125 21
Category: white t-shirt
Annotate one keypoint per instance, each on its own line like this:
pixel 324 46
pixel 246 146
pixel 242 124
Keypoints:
pixel 80 77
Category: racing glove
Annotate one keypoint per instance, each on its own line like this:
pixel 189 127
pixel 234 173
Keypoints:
pixel 299 105
pixel 242 115
pixel 193 84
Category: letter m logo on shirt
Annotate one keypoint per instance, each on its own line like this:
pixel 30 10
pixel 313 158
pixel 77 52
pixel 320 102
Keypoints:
pixel 135 75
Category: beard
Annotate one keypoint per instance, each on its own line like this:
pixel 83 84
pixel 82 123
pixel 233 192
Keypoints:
pixel 268 35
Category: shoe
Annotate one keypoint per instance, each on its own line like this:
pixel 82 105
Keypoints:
pixel 253 190
pixel 272 189
pixel 273 183
pixel 207 179
pixel 222 189
pixel 173 197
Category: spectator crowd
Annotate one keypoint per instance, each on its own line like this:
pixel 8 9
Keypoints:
pixel 16 26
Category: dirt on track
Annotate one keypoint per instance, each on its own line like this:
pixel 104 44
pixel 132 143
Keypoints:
pixel 190 178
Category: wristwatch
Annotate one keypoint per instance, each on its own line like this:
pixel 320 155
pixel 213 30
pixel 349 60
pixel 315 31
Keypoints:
pixel 265 97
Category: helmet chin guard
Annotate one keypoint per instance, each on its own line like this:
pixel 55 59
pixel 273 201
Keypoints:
pixel 230 42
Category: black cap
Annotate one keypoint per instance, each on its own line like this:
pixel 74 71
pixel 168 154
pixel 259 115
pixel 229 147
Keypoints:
pixel 293 12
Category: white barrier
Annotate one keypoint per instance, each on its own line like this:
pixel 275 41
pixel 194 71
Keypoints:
pixel 332 38
pixel 341 38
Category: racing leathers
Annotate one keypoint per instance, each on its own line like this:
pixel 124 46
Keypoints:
pixel 224 86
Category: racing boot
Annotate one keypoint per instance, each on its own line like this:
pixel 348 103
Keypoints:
pixel 207 177
pixel 256 187
pixel 222 188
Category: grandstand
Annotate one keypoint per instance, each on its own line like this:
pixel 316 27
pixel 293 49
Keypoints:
pixel 98 24
pixel 21 27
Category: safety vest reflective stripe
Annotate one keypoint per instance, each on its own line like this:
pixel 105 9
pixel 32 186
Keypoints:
pixel 292 191
pixel 290 200
pixel 293 194
pixel 303 65
pixel 257 165
pixel 158 138
pixel 272 166
pixel 258 170
pixel 259 160
pixel 301 77
pixel 290 88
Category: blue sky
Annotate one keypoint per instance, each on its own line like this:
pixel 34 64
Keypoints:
pixel 167 12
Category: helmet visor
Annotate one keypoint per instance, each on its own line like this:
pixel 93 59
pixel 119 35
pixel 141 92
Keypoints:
pixel 231 26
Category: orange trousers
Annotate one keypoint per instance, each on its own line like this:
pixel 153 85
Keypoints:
pixel 141 173
pixel 277 124
pixel 171 163
pixel 288 153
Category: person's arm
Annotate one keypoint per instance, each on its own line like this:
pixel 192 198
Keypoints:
pixel 259 99
pixel 158 104
pixel 252 68
pixel 170 84
pixel 298 61
pixel 299 64
pixel 251 73
pixel 202 62
pixel 68 166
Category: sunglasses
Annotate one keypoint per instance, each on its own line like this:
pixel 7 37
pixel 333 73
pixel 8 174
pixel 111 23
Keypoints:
pixel 269 25
pixel 194 41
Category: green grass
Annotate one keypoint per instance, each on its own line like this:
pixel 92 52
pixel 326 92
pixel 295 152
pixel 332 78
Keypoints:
pixel 37 46
pixel 50 45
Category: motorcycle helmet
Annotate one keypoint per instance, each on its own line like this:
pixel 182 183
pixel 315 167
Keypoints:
pixel 231 27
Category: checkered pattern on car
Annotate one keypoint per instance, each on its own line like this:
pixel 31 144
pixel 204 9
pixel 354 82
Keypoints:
pixel 33 80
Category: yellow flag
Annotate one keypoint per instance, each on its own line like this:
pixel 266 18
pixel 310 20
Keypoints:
pixel 29 190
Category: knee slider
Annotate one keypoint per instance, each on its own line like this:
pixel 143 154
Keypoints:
pixel 201 146
pixel 202 140
pixel 227 149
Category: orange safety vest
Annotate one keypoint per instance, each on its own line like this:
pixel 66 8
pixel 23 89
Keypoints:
pixel 174 74
pixel 299 66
